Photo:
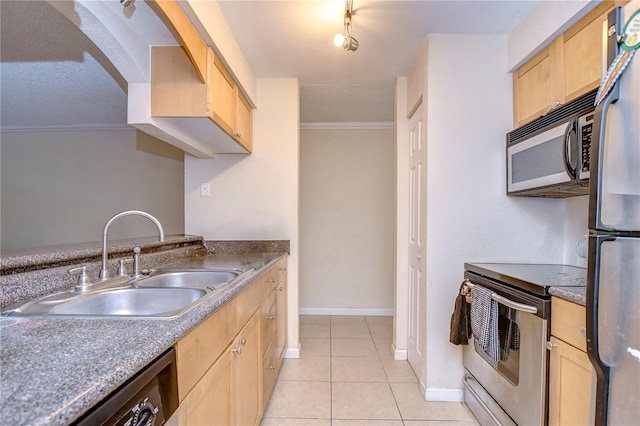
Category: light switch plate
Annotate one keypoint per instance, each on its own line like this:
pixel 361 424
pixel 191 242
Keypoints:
pixel 204 189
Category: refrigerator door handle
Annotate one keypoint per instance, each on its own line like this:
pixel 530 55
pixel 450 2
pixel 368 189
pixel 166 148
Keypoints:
pixel 593 288
pixel 597 158
pixel 600 124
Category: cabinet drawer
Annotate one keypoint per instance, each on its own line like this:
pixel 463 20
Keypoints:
pixel 248 301
pixel 276 274
pixel 197 351
pixel 270 368
pixel 268 320
pixel 568 322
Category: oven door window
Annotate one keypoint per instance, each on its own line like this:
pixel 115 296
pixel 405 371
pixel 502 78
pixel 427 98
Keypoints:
pixel 509 332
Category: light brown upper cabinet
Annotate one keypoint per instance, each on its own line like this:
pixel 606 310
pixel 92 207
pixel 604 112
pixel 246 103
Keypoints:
pixel 537 86
pixel 242 133
pixel 221 94
pixel 176 20
pixel 176 91
pixel 191 81
pixel 565 70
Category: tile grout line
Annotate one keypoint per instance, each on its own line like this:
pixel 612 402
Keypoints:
pixel 379 356
pixel 330 370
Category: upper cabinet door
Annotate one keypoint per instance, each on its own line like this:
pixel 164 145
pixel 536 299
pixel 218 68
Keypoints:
pixel 568 68
pixel 537 86
pixel 582 49
pixel 243 122
pixel 222 94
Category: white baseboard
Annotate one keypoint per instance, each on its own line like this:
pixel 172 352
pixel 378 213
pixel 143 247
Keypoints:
pixel 400 354
pixel 292 352
pixel 346 311
pixel 446 395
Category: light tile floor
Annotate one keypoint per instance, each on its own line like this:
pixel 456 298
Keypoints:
pixel 346 376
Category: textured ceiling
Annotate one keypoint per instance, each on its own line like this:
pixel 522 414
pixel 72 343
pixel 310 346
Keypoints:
pixel 52 75
pixel 295 39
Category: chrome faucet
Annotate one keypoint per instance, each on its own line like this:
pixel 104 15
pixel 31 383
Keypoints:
pixel 104 272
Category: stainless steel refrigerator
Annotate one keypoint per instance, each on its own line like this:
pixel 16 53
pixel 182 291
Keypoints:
pixel 613 280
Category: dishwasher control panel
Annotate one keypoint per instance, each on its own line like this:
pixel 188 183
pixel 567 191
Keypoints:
pixel 147 399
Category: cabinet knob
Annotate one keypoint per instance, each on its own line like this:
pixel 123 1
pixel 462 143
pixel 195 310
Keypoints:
pixel 238 350
pixel 280 288
pixel 271 281
pixel 237 135
pixel 551 346
pixel 272 367
pixel 271 317
pixel 242 342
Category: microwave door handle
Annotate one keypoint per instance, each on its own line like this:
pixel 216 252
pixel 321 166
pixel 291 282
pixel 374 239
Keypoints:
pixel 572 128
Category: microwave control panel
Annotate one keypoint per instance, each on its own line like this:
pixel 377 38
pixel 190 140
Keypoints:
pixel 586 131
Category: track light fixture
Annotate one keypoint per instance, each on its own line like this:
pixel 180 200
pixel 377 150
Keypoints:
pixel 346 40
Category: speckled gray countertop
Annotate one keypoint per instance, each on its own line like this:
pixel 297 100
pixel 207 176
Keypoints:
pixel 52 370
pixel 576 295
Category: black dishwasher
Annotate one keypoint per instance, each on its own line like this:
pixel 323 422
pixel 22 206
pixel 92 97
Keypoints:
pixel 147 399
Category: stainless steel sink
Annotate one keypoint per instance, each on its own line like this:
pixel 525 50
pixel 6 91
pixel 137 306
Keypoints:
pixel 163 294
pixel 127 302
pixel 192 278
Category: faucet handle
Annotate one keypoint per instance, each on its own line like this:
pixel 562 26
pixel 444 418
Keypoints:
pixel 122 269
pixel 83 280
pixel 136 261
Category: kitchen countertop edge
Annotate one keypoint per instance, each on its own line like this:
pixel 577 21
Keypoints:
pixel 577 295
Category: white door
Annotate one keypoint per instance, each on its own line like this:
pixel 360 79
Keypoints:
pixel 417 218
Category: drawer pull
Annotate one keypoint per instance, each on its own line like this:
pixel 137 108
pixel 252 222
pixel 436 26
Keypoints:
pixel 271 317
pixel 272 367
pixel 271 281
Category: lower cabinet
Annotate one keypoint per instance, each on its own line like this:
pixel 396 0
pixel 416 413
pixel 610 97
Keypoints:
pixel 247 370
pixel 232 386
pixel 571 376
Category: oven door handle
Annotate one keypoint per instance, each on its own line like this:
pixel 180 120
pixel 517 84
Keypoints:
pixel 514 305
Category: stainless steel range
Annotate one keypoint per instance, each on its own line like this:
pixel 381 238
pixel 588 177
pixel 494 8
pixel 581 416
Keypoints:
pixel 513 389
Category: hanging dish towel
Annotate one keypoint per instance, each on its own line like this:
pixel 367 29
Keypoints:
pixel 460 327
pixel 484 321
pixel 509 338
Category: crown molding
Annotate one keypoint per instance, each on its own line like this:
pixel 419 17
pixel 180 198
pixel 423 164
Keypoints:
pixel 347 125
pixel 73 127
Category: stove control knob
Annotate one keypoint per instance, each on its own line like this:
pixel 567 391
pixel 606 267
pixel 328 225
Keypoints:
pixel 145 414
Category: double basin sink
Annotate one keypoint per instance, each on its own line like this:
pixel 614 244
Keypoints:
pixel 161 294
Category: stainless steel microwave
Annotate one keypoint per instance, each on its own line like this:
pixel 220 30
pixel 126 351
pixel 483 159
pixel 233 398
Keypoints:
pixel 550 156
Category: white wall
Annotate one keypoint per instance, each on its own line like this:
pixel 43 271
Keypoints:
pixel 575 229
pixel 60 187
pixel 401 276
pixel 346 221
pixel 469 217
pixel 255 197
